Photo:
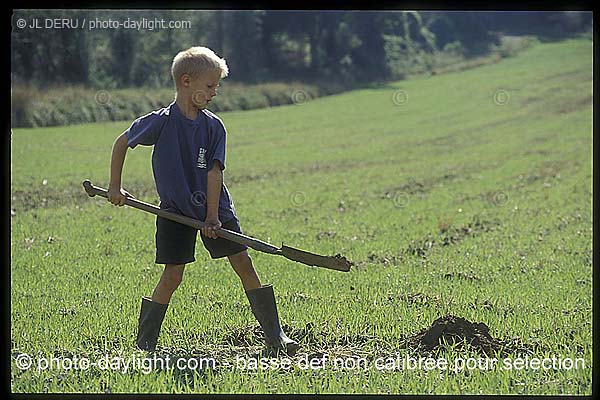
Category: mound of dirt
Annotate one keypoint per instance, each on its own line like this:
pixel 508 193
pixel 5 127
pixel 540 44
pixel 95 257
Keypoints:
pixel 456 330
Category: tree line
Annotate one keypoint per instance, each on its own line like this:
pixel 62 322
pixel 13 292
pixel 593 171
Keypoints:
pixel 259 46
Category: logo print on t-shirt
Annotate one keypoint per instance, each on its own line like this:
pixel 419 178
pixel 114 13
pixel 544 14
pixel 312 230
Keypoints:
pixel 201 163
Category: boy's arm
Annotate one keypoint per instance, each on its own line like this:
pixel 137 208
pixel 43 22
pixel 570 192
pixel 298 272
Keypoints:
pixel 215 182
pixel 116 195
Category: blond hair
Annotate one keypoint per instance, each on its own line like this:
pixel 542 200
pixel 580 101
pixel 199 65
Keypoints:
pixel 196 60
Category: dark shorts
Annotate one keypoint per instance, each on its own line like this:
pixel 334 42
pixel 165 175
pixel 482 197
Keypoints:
pixel 176 243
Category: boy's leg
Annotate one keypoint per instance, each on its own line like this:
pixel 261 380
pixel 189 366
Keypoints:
pixel 175 245
pixel 152 312
pixel 242 265
pixel 169 281
pixel 262 303
pixel 264 308
pixel 262 299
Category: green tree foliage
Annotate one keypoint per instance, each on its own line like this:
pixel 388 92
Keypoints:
pixel 369 56
pixel 344 46
pixel 245 54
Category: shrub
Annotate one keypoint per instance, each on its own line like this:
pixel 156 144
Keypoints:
pixel 33 107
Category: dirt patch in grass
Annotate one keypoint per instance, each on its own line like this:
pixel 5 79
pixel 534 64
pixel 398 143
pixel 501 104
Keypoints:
pixel 416 187
pixel 418 299
pixel 305 170
pixel 546 171
pixel 462 333
pixel 308 335
pixel 547 174
pixel 54 197
pixel 560 105
pixel 246 336
pixel 27 200
pixel 450 236
pixel 575 105
pixel 449 330
pixel 447 236
pixel 314 341
pixel 447 141
pixel 312 335
pixel 582 75
pixel 384 260
pixel 461 275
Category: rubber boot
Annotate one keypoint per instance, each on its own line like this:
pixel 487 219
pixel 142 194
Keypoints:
pixel 262 303
pixel 151 318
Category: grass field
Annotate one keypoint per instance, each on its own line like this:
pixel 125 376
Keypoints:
pixel 465 194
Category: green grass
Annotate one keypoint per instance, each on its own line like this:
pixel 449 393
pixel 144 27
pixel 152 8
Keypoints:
pixel 384 183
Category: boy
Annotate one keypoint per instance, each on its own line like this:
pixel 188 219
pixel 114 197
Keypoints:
pixel 188 162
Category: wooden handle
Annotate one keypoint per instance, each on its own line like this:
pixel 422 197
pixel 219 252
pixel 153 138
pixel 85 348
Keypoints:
pixel 236 237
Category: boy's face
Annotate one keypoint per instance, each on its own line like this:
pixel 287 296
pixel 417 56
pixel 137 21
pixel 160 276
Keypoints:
pixel 203 87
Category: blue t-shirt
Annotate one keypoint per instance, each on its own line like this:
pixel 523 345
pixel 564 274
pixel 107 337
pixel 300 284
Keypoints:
pixel 184 152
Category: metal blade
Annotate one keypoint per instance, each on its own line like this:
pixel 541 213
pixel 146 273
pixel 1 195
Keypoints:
pixel 337 262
